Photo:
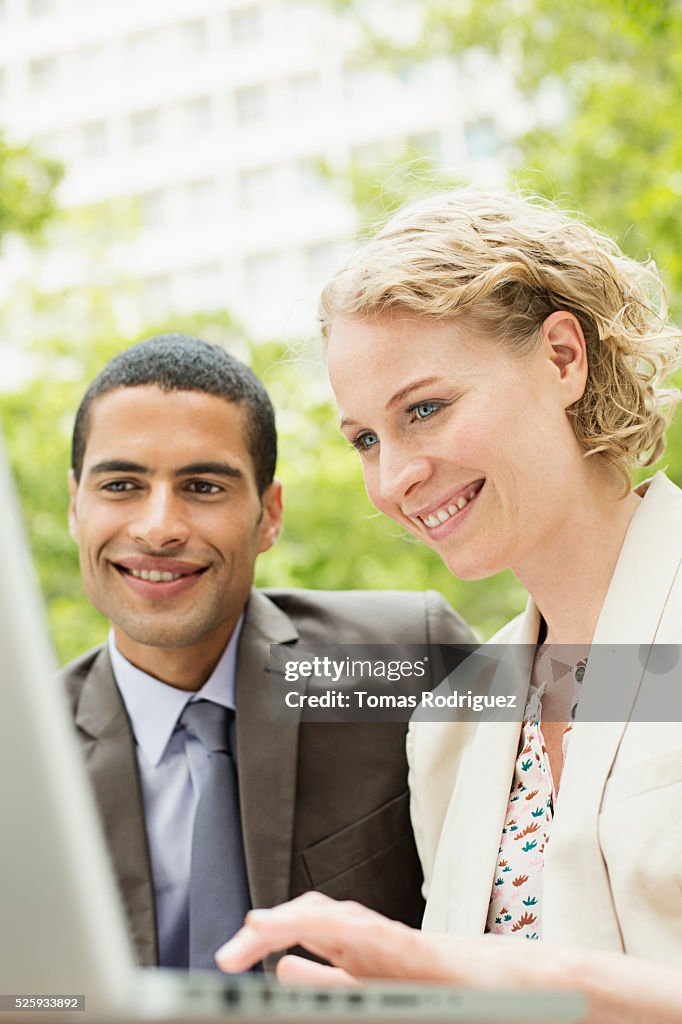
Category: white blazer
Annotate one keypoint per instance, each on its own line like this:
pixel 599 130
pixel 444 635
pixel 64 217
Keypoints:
pixel 612 877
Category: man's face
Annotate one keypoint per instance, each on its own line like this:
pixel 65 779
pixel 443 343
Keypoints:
pixel 168 519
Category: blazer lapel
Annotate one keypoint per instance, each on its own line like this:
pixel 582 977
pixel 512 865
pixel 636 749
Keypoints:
pixel 111 761
pixel 475 819
pixel 577 892
pixel 267 752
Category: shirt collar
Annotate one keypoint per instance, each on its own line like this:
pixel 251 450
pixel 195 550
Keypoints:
pixel 154 707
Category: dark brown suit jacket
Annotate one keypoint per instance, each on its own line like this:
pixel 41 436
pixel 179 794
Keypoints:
pixel 324 806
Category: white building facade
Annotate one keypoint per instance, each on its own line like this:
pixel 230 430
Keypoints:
pixel 208 128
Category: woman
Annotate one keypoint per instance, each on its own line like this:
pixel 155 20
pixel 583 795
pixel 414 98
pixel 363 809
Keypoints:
pixel 498 367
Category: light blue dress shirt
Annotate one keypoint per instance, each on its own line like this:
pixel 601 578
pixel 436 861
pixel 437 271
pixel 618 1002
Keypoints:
pixel 173 767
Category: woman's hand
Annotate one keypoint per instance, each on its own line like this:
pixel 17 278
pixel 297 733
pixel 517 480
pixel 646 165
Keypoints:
pixel 360 944
pixel 363 943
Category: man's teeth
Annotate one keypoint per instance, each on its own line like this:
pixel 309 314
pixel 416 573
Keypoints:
pixel 443 514
pixel 154 576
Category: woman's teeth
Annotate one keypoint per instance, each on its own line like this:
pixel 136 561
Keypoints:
pixel 445 513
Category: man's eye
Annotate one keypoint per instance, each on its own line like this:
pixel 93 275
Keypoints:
pixel 365 441
pixel 423 410
pixel 118 486
pixel 204 487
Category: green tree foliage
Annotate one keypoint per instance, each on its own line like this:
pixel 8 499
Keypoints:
pixel 27 185
pixel 603 80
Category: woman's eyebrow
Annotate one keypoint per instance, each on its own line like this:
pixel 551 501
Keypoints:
pixel 398 397
pixel 404 393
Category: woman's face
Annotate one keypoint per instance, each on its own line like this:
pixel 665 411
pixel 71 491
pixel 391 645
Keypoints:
pixel 463 444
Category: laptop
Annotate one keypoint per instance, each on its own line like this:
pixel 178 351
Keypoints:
pixel 65 952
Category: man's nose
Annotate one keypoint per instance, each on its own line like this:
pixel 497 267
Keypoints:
pixel 161 520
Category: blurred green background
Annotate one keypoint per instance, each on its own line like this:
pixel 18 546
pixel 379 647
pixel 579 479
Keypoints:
pixel 613 70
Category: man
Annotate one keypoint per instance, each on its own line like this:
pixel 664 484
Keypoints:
pixel 172 500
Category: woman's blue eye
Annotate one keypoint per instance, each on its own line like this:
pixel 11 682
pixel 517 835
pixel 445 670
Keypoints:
pixel 363 442
pixel 424 410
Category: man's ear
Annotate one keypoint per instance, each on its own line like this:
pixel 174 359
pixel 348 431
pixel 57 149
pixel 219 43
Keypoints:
pixel 271 520
pixel 73 492
pixel 564 342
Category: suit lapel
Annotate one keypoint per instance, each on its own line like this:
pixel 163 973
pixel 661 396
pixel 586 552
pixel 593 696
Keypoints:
pixel 627 626
pixel 109 754
pixel 267 753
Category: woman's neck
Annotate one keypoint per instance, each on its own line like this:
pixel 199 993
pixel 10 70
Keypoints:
pixel 568 575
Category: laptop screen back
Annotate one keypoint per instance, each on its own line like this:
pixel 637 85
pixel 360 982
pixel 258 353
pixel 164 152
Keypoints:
pixel 62 927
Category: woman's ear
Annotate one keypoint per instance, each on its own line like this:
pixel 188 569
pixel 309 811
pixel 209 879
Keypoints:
pixel 564 343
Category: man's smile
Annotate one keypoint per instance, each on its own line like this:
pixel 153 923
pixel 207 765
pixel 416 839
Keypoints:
pixel 158 577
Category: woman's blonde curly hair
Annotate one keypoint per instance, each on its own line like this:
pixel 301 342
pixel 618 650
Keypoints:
pixel 507 262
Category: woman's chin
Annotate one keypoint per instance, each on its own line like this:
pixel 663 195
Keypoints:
pixel 471 569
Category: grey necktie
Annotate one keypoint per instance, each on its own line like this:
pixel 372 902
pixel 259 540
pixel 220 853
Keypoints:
pixel 218 886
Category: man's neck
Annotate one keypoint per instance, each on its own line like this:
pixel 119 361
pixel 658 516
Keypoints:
pixel 186 668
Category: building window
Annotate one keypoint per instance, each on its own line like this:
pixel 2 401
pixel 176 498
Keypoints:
pixel 145 50
pixel 305 92
pixel 251 104
pixel 57 145
pixel 43 74
pixel 373 154
pixel 246 24
pixel 206 285
pixel 157 295
pixel 194 36
pixel 151 207
pixel 359 84
pixel 198 116
pixel 202 200
pixel 264 275
pixel 481 139
pixel 91 60
pixel 36 8
pixel 411 72
pixel 427 144
pixel 321 261
pixel 95 138
pixel 310 177
pixel 257 187
pixel 145 128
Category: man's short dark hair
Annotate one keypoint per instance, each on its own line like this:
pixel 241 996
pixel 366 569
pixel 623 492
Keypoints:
pixel 179 362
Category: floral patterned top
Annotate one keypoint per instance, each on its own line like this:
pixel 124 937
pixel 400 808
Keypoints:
pixel 516 899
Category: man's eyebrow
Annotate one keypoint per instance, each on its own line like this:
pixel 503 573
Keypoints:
pixel 118 466
pixel 209 468
pixel 398 397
